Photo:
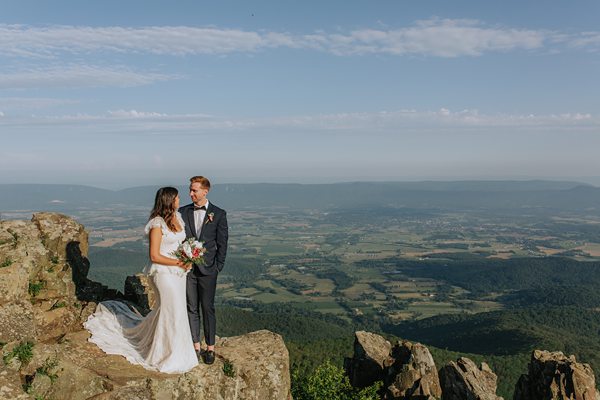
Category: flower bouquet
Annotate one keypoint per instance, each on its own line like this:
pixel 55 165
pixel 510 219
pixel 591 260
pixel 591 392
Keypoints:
pixel 190 251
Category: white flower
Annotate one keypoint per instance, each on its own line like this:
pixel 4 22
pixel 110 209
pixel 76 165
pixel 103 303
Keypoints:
pixel 187 249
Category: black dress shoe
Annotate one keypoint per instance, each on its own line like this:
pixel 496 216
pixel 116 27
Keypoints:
pixel 199 354
pixel 209 357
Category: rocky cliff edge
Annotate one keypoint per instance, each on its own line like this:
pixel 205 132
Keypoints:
pixel 45 296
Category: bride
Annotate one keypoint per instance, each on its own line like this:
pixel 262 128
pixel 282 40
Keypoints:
pixel 161 341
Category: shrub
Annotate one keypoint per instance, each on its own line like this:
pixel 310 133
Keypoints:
pixel 35 287
pixel 23 352
pixel 329 382
pixel 228 369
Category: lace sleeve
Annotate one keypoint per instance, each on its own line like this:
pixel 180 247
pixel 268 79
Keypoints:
pixel 156 222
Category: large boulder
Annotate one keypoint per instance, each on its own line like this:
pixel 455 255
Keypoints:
pixel 367 364
pixel 554 376
pixel 411 373
pixel 43 270
pixel 463 380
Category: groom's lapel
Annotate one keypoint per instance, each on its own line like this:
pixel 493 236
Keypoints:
pixel 189 214
pixel 205 219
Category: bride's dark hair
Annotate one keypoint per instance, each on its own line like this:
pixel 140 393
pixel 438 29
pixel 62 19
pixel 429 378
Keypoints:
pixel 164 206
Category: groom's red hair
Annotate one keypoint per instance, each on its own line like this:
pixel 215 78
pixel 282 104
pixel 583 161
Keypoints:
pixel 204 182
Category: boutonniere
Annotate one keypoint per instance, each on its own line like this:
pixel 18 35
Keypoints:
pixel 210 217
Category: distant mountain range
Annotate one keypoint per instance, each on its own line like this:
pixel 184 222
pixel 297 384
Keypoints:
pixel 457 195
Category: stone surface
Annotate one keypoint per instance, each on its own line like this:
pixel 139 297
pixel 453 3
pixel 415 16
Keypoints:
pixel 463 380
pixel 41 260
pixel 259 359
pixel 411 373
pixel 554 376
pixel 367 364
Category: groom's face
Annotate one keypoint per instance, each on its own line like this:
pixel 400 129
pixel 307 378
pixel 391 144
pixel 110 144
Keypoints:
pixel 198 193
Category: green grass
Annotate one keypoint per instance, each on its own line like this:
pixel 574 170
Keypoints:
pixel 23 352
pixel 228 369
pixel 6 263
pixel 36 287
pixel 15 236
pixel 47 368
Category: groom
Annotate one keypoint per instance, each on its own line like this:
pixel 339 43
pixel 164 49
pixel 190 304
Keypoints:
pixel 207 223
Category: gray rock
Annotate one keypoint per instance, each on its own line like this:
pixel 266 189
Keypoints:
pixel 367 364
pixel 411 373
pixel 554 376
pixel 463 380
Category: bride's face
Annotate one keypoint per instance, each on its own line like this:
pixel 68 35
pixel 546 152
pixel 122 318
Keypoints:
pixel 176 203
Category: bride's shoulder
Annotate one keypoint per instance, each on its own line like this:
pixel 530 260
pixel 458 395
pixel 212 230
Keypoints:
pixel 156 222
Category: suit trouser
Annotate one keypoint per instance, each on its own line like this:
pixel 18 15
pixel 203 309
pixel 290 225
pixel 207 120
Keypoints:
pixel 201 297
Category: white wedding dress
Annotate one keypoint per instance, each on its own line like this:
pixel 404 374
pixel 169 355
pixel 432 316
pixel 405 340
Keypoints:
pixel 161 341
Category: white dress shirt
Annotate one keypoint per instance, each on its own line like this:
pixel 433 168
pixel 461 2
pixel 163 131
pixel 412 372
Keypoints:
pixel 199 218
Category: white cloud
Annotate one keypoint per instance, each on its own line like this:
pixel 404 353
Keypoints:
pixel 433 37
pixel 22 40
pixel 78 76
pixel 436 37
pixel 144 122
pixel 135 114
pixel 589 40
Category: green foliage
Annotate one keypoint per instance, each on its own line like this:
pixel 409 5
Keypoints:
pixel 228 369
pixel 6 263
pixel 293 323
pixel 23 352
pixel 341 279
pixel 35 287
pixel 15 237
pixel 54 259
pixel 329 382
pixel 482 276
pixel 58 304
pixel 47 369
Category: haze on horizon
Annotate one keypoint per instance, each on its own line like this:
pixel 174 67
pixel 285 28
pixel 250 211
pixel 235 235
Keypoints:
pixel 117 94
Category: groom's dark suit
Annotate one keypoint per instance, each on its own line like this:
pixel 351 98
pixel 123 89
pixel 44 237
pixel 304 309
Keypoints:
pixel 202 279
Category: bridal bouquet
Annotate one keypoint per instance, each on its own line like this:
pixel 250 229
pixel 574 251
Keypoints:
pixel 190 251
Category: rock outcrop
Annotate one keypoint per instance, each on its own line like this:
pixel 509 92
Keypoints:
pixel 463 380
pixel 406 369
pixel 370 353
pixel 45 296
pixel 554 376
pixel 411 373
pixel 43 271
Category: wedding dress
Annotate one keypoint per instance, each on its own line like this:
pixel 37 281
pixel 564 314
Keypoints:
pixel 161 341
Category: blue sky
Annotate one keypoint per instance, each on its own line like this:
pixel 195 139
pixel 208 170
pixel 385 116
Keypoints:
pixel 119 94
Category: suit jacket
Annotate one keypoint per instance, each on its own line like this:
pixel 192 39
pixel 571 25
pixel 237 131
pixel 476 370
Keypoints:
pixel 214 234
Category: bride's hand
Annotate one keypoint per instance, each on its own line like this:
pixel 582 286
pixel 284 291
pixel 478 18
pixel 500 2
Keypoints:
pixel 182 265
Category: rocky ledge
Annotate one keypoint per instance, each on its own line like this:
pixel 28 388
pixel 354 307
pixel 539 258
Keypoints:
pixel 45 296
pixel 409 373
